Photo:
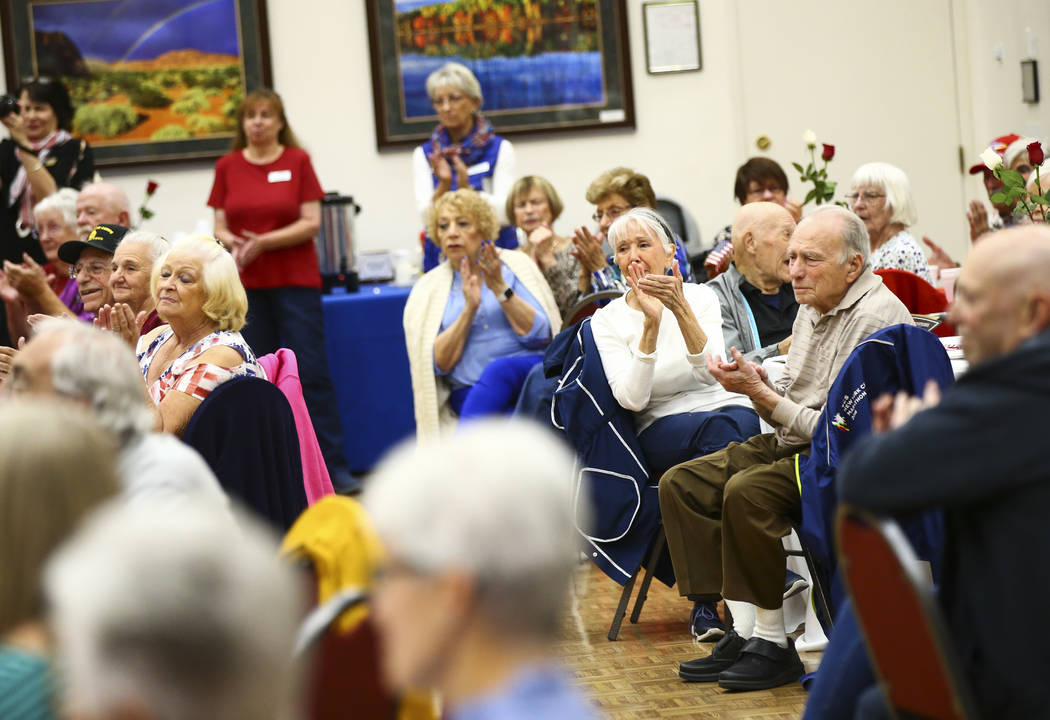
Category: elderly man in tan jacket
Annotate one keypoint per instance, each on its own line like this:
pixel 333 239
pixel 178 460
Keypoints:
pixel 725 513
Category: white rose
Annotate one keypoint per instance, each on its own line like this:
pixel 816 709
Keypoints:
pixel 991 159
pixel 810 138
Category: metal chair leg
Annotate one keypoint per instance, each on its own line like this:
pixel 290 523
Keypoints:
pixel 621 609
pixel 651 561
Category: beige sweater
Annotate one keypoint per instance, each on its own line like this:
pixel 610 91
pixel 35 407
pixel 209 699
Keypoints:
pixel 422 321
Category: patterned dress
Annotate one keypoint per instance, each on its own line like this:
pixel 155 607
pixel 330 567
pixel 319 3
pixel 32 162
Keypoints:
pixel 901 252
pixel 196 380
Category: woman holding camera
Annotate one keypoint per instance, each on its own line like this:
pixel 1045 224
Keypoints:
pixel 463 152
pixel 267 202
pixel 38 158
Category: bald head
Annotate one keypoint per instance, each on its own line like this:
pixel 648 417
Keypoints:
pixel 761 232
pixel 1002 296
pixel 101 203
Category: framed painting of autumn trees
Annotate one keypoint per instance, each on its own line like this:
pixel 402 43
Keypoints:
pixel 543 65
pixel 150 81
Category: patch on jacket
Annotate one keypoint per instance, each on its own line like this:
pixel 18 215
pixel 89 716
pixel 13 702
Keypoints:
pixel 848 408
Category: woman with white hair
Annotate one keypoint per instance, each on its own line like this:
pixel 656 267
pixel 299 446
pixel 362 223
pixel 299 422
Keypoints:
pixel 199 295
pixel 471 607
pixel 654 343
pixel 133 312
pixel 463 151
pixel 26 287
pixel 881 197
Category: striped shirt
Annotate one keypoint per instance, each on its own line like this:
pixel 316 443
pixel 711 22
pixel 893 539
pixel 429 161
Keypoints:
pixel 820 344
pixel 26 690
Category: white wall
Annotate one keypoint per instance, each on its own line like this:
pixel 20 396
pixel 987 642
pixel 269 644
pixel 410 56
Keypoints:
pixel 690 133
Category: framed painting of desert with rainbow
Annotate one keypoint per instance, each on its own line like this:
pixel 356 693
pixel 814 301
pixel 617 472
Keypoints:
pixel 543 65
pixel 150 81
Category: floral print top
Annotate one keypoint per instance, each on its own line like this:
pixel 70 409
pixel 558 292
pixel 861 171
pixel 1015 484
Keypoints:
pixel 901 252
pixel 196 380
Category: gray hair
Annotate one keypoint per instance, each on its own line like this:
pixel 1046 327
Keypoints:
pixel 648 219
pixel 97 366
pixel 157 244
pixel 855 238
pixel 892 180
pixel 457 76
pixel 64 201
pixel 508 486
pixel 186 614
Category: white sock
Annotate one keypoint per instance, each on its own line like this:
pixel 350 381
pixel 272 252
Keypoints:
pixel 743 617
pixel 769 625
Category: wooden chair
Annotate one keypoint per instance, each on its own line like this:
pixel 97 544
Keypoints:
pixel 901 622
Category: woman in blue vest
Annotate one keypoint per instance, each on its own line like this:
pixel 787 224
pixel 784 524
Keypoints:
pixel 462 152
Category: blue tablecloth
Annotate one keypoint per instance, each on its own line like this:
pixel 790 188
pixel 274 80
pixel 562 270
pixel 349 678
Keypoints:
pixel 369 367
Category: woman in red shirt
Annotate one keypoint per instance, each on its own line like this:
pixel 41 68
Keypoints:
pixel 267 204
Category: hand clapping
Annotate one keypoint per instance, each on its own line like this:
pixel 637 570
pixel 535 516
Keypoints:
pixel 471 283
pixel 665 288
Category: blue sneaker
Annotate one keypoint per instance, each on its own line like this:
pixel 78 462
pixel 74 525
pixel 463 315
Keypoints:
pixel 704 623
pixel 794 584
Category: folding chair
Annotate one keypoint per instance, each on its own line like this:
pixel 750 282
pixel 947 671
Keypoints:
pixel 907 639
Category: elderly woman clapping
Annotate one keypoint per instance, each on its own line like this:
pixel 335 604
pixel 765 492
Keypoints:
pixel 881 197
pixel 475 324
pixel 134 312
pixel 653 344
pixel 199 295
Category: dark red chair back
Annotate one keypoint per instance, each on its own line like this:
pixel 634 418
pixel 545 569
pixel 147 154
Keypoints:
pixel 902 624
pixel 918 296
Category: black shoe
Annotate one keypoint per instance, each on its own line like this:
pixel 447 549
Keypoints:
pixel 763 665
pixel 706 669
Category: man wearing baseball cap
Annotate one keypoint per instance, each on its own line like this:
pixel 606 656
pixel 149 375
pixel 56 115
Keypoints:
pixel 90 263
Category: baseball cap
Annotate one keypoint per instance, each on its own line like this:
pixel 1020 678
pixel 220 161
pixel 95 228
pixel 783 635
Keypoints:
pixel 999 144
pixel 103 237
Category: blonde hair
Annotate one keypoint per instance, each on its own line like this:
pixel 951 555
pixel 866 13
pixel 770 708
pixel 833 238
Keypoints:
pixel 225 301
pixel 470 205
pixel 534 182
pixel 56 465
pixel 634 187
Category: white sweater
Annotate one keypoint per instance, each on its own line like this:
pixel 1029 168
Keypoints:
pixel 669 381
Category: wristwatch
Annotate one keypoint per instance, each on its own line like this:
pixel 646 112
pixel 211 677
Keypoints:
pixel 507 294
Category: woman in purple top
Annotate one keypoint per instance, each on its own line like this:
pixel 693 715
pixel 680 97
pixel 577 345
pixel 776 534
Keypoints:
pixel 21 285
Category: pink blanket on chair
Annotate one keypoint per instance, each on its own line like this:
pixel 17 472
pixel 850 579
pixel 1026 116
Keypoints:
pixel 283 371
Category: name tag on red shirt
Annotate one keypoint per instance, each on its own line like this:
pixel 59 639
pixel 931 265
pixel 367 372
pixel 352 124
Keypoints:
pixel 277 176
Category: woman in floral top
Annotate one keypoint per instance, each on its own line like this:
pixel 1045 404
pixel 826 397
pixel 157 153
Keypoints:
pixel 881 197
pixel 199 294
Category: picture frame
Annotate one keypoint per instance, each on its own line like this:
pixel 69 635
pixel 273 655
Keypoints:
pixel 155 82
pixel 543 67
pixel 672 36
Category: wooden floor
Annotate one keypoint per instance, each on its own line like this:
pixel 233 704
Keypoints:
pixel 637 676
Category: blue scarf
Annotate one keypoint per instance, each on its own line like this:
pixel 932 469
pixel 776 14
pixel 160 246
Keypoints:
pixel 471 148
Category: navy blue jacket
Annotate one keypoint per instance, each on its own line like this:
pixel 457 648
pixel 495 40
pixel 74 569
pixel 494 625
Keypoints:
pixel 611 470
pixel 894 358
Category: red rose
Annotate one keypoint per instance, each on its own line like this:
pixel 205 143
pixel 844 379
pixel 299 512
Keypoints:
pixel 151 187
pixel 829 152
pixel 1035 153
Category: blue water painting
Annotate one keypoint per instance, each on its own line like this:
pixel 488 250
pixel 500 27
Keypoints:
pixel 547 80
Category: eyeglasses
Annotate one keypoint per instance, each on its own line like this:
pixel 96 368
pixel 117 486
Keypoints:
pixel 448 100
pixel 867 196
pixel 612 213
pixel 94 269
